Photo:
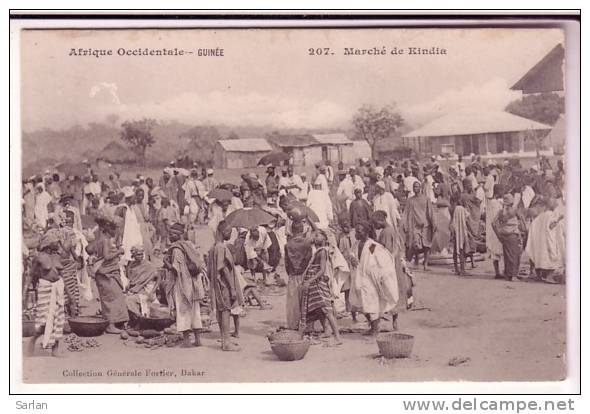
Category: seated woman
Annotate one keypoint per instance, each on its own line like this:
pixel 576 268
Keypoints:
pixel 144 279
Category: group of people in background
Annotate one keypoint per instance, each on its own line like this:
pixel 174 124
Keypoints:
pixel 349 239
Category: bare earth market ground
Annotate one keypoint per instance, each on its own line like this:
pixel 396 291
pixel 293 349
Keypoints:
pixel 508 330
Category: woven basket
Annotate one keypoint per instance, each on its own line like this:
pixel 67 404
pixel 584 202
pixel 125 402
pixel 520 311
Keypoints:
pixel 28 328
pixel 88 325
pixel 285 335
pixel 395 345
pixel 290 350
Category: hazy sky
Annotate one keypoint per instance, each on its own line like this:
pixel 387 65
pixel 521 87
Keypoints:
pixel 267 77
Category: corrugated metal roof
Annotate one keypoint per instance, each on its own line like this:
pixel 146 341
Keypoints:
pixel 332 139
pixel 468 123
pixel 245 145
pixel 546 75
pixel 302 140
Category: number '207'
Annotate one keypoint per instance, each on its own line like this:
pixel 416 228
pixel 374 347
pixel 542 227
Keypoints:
pixel 319 51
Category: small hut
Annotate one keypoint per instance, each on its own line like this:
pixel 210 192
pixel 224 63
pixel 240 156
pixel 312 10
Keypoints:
pixel 116 153
pixel 240 153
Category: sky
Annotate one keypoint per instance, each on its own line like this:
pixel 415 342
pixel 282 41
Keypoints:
pixel 267 77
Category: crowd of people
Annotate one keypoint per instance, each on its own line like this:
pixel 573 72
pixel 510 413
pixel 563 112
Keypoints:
pixel 349 239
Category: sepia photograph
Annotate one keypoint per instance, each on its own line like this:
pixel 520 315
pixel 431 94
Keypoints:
pixel 294 205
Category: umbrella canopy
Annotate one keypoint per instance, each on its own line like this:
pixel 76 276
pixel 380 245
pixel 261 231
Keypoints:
pixel 72 168
pixel 220 194
pixel 248 218
pixel 274 158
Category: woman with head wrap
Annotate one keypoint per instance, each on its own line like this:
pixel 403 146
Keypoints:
pixel 225 292
pixel 508 227
pixel 73 259
pixel 317 297
pixel 108 275
pixel 49 313
pixel 144 279
pixel 185 284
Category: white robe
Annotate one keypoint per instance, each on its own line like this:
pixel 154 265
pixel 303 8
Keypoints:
pixel 319 202
pixel 386 202
pixel 544 244
pixel 374 289
pixel 493 244
pixel 131 233
pixel 42 200
pixel 527 196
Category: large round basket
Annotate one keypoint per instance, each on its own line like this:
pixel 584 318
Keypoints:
pixel 158 324
pixel 28 328
pixel 395 345
pixel 88 325
pixel 290 350
pixel 285 335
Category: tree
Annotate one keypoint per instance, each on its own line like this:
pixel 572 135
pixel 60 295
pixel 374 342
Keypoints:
pixel 138 135
pixel 544 108
pixel 201 143
pixel 374 125
pixel 536 137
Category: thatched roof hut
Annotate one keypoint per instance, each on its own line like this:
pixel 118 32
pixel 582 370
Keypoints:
pixel 116 153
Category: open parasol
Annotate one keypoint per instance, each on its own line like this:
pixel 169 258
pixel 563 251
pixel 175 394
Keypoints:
pixel 274 158
pixel 220 194
pixel 249 217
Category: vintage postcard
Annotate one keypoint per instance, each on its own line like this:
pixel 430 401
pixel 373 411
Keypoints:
pixel 295 204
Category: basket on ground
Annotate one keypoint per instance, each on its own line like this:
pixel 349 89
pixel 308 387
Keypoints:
pixel 88 325
pixel 284 335
pixel 395 345
pixel 290 349
pixel 158 324
pixel 28 328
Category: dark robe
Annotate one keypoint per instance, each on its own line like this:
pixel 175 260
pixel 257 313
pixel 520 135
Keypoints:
pixel 360 211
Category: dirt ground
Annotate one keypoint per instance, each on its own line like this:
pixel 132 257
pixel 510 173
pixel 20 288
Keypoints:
pixel 508 330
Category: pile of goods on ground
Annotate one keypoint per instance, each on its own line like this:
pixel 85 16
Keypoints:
pixel 150 338
pixel 77 344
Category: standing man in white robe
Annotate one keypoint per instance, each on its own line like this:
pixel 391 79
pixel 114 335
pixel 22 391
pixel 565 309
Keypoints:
pixel 386 202
pixel 42 200
pixel 319 201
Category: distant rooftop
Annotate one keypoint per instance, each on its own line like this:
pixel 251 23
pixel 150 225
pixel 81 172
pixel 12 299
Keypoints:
pixel 470 123
pixel 245 145
pixel 302 140
pixel 332 139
